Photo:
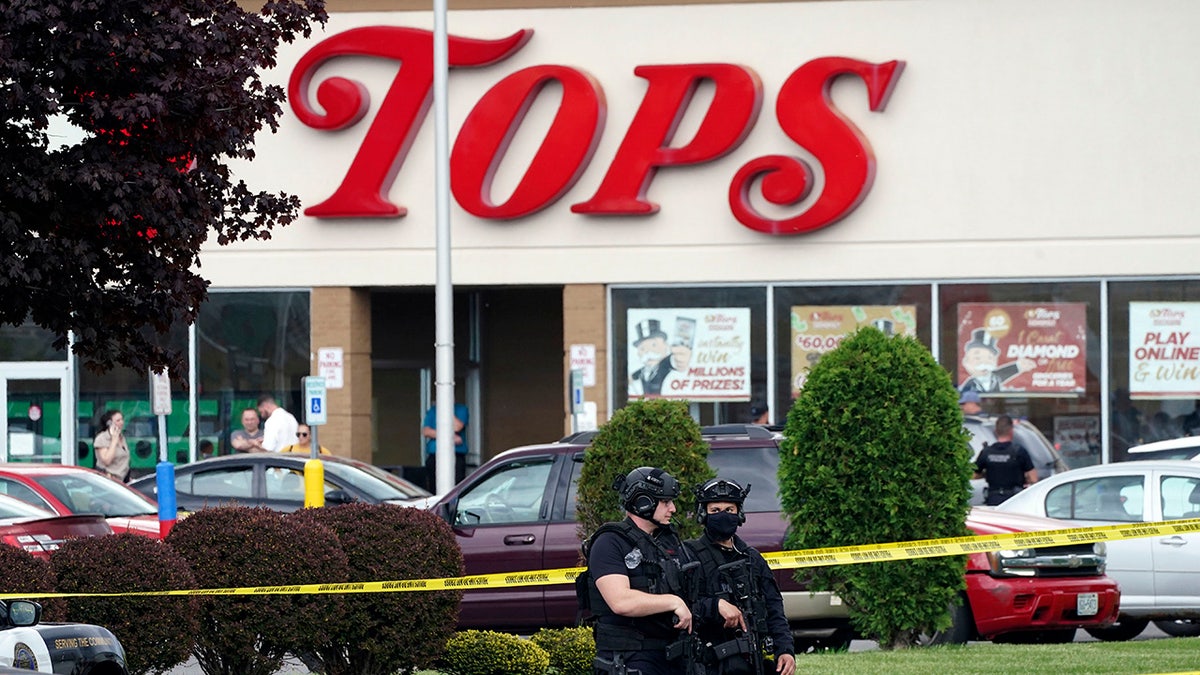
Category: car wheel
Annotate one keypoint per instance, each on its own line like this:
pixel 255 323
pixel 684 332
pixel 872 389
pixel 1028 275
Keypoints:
pixel 839 641
pixel 1124 629
pixel 1180 627
pixel 962 628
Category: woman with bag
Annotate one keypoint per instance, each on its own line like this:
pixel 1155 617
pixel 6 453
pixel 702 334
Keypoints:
pixel 112 452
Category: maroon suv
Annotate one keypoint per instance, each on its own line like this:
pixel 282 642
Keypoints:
pixel 517 513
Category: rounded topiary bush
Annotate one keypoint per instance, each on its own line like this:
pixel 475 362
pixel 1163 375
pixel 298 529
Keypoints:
pixel 394 631
pixel 571 650
pixel 485 652
pixel 874 451
pixel 236 546
pixel 21 572
pixel 156 631
pixel 655 432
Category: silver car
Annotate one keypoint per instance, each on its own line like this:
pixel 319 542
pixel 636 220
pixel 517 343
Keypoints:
pixel 1159 576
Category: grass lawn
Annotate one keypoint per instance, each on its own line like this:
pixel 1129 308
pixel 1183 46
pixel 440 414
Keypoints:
pixel 1174 655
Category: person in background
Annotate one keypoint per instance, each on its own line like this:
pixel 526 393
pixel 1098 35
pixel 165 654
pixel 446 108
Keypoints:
pixel 733 568
pixel 112 451
pixel 968 402
pixel 760 413
pixel 249 437
pixel 1004 464
pixel 279 430
pixel 206 449
pixel 462 417
pixel 304 442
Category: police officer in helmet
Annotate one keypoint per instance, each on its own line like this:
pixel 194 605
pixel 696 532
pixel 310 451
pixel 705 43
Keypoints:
pixel 740 610
pixel 638 571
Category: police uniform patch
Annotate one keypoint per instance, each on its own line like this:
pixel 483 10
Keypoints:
pixel 633 558
pixel 23 657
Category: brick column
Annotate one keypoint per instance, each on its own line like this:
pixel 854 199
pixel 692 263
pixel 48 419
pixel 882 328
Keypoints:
pixel 341 317
pixel 584 323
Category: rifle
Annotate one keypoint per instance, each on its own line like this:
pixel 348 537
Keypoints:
pixel 744 592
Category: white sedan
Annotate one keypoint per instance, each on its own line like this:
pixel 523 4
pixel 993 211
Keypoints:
pixel 1159 576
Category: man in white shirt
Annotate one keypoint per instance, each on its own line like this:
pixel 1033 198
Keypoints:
pixel 279 430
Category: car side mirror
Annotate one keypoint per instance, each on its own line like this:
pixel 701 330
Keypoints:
pixel 446 511
pixel 339 497
pixel 24 612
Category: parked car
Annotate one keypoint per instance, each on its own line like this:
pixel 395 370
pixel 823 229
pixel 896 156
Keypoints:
pixel 1187 447
pixel 72 490
pixel 1046 458
pixel 1159 576
pixel 38 531
pixel 27 645
pixel 276 480
pixel 517 513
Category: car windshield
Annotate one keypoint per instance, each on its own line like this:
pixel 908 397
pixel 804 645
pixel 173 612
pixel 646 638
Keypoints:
pixel 757 468
pixel 15 508
pixel 86 492
pixel 374 481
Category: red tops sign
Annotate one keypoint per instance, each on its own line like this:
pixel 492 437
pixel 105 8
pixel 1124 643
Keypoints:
pixel 805 113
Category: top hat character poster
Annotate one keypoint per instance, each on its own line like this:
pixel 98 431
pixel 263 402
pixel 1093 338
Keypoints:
pixel 1022 348
pixel 694 353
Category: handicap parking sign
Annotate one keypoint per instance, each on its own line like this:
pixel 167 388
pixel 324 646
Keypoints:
pixel 314 398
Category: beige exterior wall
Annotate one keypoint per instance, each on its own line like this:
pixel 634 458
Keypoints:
pixel 341 317
pixel 584 322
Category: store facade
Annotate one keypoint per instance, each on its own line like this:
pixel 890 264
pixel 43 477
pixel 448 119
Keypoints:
pixel 740 184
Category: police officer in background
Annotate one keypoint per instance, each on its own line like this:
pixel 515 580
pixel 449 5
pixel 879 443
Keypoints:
pixel 1005 465
pixel 740 610
pixel 638 576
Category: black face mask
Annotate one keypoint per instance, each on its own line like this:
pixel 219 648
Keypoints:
pixel 722 526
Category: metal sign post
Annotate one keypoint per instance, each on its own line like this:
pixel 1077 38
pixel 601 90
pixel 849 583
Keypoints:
pixel 314 410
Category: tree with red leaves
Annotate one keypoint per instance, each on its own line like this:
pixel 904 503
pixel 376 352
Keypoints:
pixel 100 233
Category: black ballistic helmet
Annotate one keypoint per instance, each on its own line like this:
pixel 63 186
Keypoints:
pixel 720 490
pixel 643 488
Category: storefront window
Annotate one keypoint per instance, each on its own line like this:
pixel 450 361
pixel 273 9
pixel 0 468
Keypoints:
pixel 812 320
pixel 703 345
pixel 1154 362
pixel 28 343
pixel 1031 350
pixel 249 344
pixel 129 392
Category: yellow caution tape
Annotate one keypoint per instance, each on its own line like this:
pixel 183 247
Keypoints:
pixel 819 557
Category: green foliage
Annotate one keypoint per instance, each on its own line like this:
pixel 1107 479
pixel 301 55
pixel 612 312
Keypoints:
pixel 654 432
pixel 156 632
pixel 485 652
pixel 874 451
pixel 571 650
pixel 21 572
pixel 233 546
pixel 389 632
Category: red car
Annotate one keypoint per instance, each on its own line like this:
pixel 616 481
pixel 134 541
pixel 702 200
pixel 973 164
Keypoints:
pixel 70 490
pixel 39 531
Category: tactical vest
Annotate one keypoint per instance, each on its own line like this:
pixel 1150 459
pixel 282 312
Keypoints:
pixel 657 573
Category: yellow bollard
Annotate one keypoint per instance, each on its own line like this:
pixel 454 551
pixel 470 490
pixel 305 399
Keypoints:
pixel 314 484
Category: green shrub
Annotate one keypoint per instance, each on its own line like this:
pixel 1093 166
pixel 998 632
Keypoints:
pixel 485 652
pixel 234 546
pixel 571 650
pixel 398 631
pixel 21 572
pixel 157 632
pixel 655 432
pixel 874 451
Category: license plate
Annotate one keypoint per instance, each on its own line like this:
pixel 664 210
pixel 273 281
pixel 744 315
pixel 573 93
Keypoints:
pixel 1087 604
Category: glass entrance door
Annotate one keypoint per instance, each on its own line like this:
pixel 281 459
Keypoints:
pixel 39 425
